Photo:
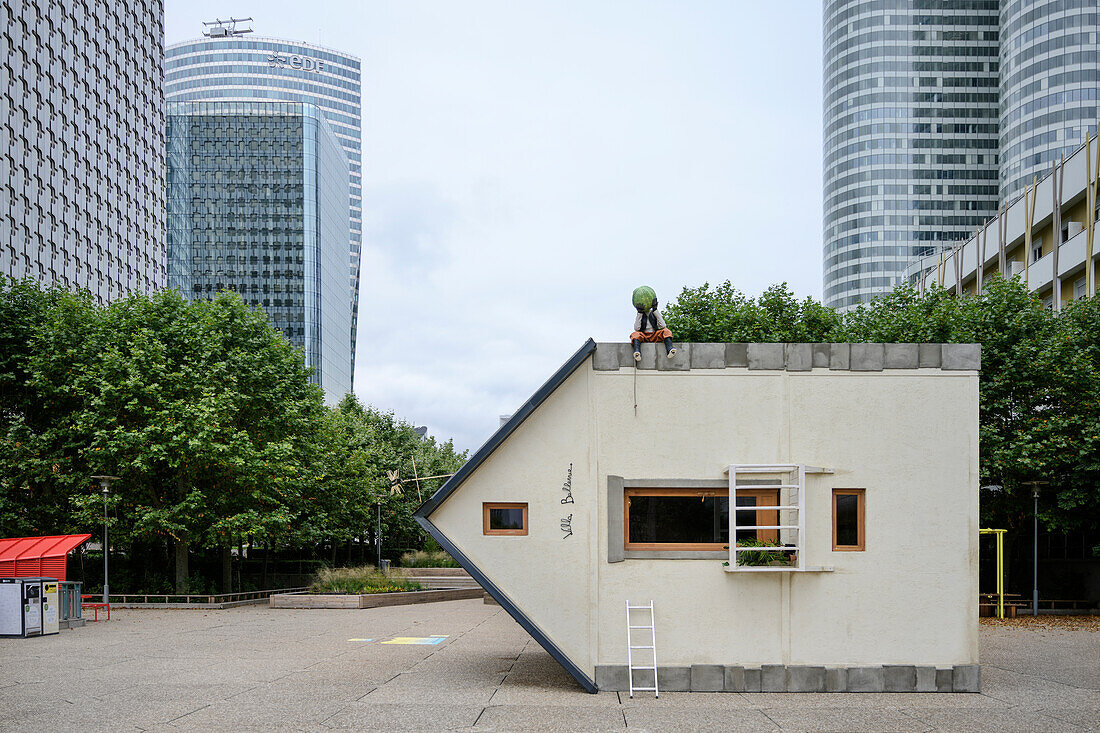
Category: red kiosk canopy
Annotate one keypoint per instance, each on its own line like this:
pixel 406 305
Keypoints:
pixel 31 557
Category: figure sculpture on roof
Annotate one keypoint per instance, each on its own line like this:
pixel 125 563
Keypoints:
pixel 649 325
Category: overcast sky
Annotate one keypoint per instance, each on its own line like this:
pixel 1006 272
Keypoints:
pixel 527 164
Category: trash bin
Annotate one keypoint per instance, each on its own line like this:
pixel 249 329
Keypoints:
pixel 21 606
pixel 385 566
pixel 51 607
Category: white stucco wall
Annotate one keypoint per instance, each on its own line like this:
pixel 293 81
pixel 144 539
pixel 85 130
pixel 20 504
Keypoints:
pixel 908 437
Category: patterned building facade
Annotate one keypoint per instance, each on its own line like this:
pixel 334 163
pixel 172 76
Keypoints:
pixel 1050 83
pixel 82 171
pixel 257 205
pixel 910 135
pixel 241 69
pixel 938 113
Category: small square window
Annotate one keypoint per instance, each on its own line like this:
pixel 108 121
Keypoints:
pixel 504 518
pixel 848 524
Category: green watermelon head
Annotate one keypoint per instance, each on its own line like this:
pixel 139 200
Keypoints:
pixel 644 298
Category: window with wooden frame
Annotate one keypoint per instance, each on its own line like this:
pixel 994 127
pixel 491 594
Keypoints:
pixel 848 520
pixel 504 518
pixel 693 519
pixel 676 519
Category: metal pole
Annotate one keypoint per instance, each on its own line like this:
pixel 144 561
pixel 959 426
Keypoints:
pixel 106 587
pixel 1035 557
pixel 378 535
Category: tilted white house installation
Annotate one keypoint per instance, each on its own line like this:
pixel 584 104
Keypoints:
pixel 856 464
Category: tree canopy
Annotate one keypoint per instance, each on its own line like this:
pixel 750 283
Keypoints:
pixel 206 414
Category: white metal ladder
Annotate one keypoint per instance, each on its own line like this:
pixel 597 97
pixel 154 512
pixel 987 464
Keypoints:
pixel 631 646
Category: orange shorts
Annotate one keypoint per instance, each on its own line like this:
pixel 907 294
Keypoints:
pixel 651 338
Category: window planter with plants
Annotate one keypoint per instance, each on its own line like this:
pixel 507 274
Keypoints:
pixel 765 556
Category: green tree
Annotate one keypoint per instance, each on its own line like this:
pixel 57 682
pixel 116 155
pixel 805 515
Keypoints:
pixel 726 314
pixel 363 445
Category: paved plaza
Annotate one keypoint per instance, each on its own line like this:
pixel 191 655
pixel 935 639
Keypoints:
pixel 473 667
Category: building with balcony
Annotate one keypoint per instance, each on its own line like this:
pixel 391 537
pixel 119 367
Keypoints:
pixel 1053 255
pixel 230 67
pixel 774 502
pixel 257 205
pixel 82 144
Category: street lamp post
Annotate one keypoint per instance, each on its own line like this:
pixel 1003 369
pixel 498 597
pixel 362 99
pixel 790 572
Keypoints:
pixel 1035 545
pixel 378 535
pixel 105 485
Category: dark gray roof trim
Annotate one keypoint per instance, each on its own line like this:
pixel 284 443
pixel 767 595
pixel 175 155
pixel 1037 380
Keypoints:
pixel 448 488
pixel 506 429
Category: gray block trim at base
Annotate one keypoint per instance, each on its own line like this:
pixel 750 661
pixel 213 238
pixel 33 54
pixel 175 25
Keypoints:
pixel 708 678
pixel 800 678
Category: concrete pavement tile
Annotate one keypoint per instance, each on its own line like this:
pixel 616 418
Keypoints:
pixel 1009 686
pixel 687 700
pixel 1088 718
pixel 1014 720
pixel 404 716
pixel 701 719
pixel 550 718
pixel 845 719
pixel 513 694
pixel 300 710
pixel 440 694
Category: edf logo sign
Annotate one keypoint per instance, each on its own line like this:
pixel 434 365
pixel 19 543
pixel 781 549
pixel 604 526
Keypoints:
pixel 295 62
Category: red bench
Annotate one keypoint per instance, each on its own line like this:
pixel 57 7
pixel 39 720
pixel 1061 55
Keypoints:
pixel 95 606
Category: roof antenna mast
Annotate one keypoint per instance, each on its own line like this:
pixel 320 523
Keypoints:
pixel 223 28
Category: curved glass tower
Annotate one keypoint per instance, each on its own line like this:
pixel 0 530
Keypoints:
pixel 1050 81
pixel 250 69
pixel 910 135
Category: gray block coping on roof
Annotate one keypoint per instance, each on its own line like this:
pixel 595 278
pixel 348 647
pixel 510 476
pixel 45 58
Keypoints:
pixel 791 357
pixel 797 678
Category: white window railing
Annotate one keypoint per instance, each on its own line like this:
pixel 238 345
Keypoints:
pixel 788 481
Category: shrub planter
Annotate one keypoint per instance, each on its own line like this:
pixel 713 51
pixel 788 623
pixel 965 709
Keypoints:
pixel 371 600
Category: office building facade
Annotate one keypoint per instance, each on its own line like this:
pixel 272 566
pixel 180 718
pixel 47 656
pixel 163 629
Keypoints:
pixel 236 68
pixel 82 144
pixel 257 205
pixel 937 114
pixel 1050 82
pixel 910 136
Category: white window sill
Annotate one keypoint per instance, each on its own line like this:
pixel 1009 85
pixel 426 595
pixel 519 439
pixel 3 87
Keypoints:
pixel 776 569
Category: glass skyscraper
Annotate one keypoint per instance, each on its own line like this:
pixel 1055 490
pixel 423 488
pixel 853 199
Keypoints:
pixel 1050 82
pixel 239 68
pixel 936 113
pixel 910 135
pixel 82 144
pixel 257 204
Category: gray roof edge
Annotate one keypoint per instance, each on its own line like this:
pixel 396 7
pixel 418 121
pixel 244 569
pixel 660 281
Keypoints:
pixel 502 433
pixel 506 603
